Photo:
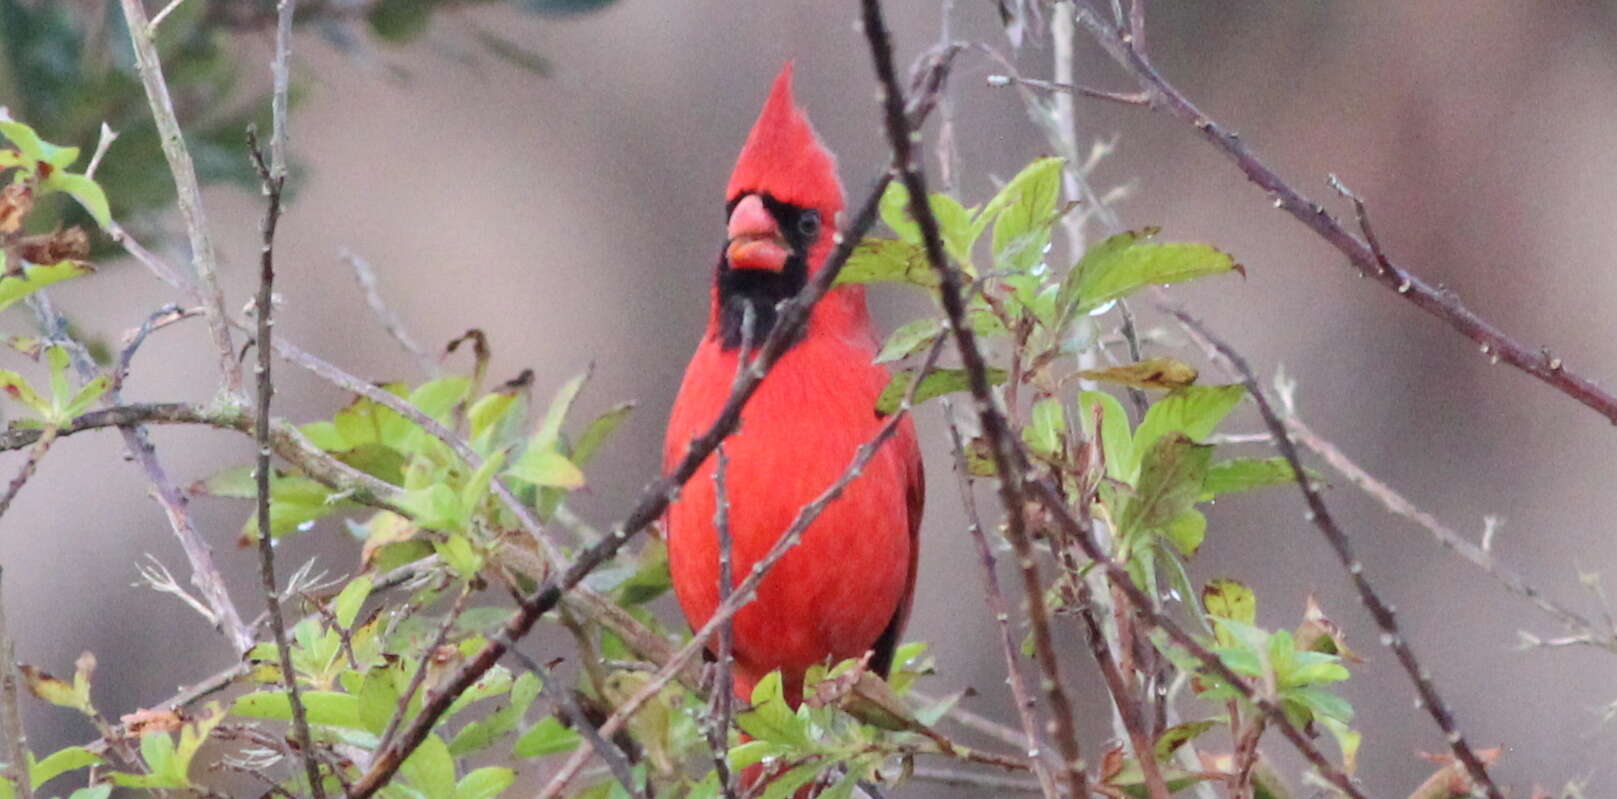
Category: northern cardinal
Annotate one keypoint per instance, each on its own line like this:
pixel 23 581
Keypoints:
pixel 846 589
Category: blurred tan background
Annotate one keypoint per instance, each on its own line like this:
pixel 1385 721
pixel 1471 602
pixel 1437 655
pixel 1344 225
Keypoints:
pixel 575 217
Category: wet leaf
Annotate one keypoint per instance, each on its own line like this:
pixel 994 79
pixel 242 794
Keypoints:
pixel 548 737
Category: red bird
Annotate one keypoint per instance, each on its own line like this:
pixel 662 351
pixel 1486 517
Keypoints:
pixel 846 588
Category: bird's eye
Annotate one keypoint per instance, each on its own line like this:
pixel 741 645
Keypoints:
pixel 809 223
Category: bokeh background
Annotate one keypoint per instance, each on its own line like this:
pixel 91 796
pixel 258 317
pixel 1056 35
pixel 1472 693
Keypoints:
pixel 574 214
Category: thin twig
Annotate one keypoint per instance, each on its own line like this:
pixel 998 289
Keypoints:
pixel 273 184
pixel 11 712
pixel 1585 630
pixel 995 784
pixel 1125 697
pixel 1322 519
pixel 1441 303
pixel 208 293
pixel 1126 98
pixel 723 689
pixel 29 466
pixel 365 274
pixel 1025 704
pixel 912 174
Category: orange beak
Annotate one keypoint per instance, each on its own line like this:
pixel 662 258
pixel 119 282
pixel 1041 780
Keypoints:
pixel 755 240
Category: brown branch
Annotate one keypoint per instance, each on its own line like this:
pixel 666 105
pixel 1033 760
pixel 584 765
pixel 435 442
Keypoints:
pixel 1125 697
pixel 1494 342
pixel 11 712
pixel 911 172
pixel 1322 519
pixel 1585 630
pixel 273 179
pixel 1002 615
pixel 723 689
pixel 205 290
pixel 47 437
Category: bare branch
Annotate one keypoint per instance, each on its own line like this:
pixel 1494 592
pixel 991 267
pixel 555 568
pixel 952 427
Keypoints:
pixel 208 293
pixel 11 712
pixel 29 466
pixel 273 184
pixel 1383 614
pixel 1494 343
pixel 723 688
pixel 366 275
pixel 993 421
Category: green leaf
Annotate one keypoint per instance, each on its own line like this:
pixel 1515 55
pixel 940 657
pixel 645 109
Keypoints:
pixel 909 339
pixel 1322 702
pixel 16 386
pixel 1232 600
pixel 1046 428
pixel 430 768
pixel 1178 735
pixel 888 261
pixel 157 749
pixel 33 148
pixel 101 791
pixel 458 552
pixel 1027 208
pixel 1117 443
pixel 1187 531
pixel 347 604
pixel 58 691
pixel 476 488
pixel 436 507
pixel 485 783
pixel 1194 411
pixel 895 212
pixel 485 415
pixel 84 398
pixel 1122 264
pixel 547 467
pixel 378 698
pixel 595 435
pixel 1170 483
pixel 1244 474
pixel 936 383
pixel 771 718
pixel 36 277
pixel 548 737
pixel 60 762
pixel 786 785
pixel 325 708
pixel 86 191
pixel 955 227
pixel 1347 740
pixel 650 579
pixel 548 434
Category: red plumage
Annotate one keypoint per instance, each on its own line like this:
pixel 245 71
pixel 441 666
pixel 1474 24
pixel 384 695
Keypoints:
pixel 846 589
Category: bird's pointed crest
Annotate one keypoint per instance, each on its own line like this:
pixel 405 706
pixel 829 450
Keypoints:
pixel 783 156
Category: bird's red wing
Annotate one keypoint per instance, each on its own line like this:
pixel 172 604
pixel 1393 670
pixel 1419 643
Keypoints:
pixel 915 500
